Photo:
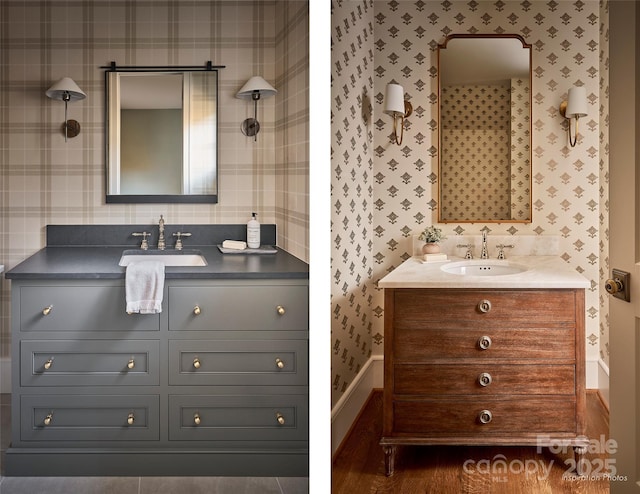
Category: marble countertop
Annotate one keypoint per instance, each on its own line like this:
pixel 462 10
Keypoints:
pixel 541 272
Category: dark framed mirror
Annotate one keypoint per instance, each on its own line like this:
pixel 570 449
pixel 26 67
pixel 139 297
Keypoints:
pixel 162 134
pixel 484 95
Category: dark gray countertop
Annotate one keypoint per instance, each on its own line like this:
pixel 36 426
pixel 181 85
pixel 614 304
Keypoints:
pixel 102 263
pixel 81 252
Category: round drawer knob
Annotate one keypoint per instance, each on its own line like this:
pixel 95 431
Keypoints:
pixel 280 418
pixel 196 418
pixel 485 416
pixel 48 364
pixel 131 364
pixel 484 342
pixel 196 363
pixel 280 310
pixel 47 310
pixel 48 419
pixel 484 306
pixel 279 364
pixel 197 310
pixel 484 379
pixel 131 419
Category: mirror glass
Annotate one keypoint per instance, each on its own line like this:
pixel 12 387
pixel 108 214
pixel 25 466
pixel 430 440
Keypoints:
pixel 162 136
pixel 484 129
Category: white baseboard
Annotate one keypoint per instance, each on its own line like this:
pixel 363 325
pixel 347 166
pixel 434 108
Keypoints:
pixel 592 371
pixel 5 375
pixel 603 381
pixel 345 412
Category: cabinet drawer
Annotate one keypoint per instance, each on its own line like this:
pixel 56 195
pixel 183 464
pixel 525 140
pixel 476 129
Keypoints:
pixel 80 308
pixel 526 415
pixel 236 307
pixel 239 418
pixel 89 363
pixel 484 379
pixel 460 309
pixel 208 362
pixel 422 344
pixel 89 418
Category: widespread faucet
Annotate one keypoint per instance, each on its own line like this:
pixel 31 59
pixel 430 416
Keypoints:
pixel 161 242
pixel 484 253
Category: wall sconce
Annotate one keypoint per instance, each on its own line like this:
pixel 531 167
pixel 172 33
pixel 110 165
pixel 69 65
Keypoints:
pixel 67 90
pixel 396 106
pixel 574 108
pixel 254 89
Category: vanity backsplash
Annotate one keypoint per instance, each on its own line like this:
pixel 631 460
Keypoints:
pixel 523 245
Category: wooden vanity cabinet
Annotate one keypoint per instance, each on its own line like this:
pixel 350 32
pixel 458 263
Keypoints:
pixel 216 384
pixel 483 367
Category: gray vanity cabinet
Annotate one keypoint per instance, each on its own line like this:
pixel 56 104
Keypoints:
pixel 216 384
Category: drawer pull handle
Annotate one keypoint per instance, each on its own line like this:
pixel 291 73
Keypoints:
pixel 131 419
pixel 48 419
pixel 131 364
pixel 485 416
pixel 484 342
pixel 280 310
pixel 485 379
pixel 197 310
pixel 280 418
pixel 48 364
pixel 47 310
pixel 484 306
pixel 196 363
pixel 279 364
pixel 196 418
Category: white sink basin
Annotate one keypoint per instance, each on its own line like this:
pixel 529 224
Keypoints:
pixel 169 258
pixel 483 268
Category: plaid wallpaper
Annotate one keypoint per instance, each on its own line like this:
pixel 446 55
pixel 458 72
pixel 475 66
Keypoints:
pixel 382 193
pixel 44 180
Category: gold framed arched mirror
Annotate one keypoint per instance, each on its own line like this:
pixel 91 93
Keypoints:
pixel 484 104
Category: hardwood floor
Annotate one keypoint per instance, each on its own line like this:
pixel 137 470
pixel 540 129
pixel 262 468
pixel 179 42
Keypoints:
pixel 358 466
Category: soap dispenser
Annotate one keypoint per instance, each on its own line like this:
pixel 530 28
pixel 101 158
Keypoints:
pixel 253 232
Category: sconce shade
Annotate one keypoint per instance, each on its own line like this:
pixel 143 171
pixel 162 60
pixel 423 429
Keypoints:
pixel 256 85
pixel 576 103
pixel 394 100
pixel 65 86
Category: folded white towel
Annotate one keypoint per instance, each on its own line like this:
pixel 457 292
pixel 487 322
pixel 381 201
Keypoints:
pixel 144 287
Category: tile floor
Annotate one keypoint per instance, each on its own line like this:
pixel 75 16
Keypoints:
pixel 136 485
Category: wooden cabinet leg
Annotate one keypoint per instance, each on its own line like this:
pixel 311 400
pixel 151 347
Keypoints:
pixel 389 459
pixel 578 456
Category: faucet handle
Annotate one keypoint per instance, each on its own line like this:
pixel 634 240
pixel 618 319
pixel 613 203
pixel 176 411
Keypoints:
pixel 469 253
pixel 501 251
pixel 179 240
pixel 145 244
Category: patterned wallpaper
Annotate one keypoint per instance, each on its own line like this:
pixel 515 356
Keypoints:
pixel 45 181
pixel 604 267
pixel 352 181
pixel 383 192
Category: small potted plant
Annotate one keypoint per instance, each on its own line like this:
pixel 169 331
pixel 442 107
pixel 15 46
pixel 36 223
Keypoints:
pixel 431 235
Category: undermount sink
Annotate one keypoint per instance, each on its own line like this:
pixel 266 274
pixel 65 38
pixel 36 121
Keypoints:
pixel 168 257
pixel 483 268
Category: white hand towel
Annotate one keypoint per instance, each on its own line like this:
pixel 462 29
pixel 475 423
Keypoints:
pixel 144 287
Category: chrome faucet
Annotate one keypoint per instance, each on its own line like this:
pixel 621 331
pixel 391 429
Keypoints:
pixel 484 254
pixel 161 242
